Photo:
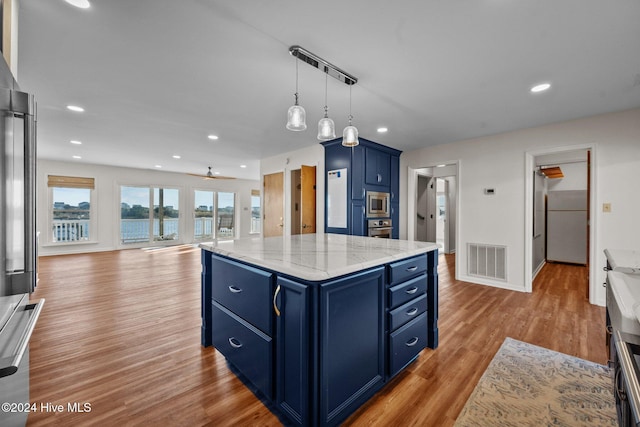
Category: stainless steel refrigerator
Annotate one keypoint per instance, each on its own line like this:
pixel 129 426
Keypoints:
pixel 18 257
pixel 567 226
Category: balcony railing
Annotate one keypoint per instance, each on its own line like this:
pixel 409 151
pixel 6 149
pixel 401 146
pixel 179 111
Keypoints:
pixel 137 230
pixel 76 230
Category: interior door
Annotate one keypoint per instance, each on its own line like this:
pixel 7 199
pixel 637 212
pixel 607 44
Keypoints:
pixel 308 199
pixel 273 204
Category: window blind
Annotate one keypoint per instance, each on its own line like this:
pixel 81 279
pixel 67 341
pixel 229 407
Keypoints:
pixel 70 182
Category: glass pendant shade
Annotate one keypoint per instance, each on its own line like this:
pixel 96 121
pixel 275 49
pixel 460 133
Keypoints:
pixel 350 136
pixel 326 129
pixel 296 117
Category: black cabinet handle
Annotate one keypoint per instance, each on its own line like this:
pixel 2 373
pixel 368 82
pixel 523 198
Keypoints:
pixel 414 268
pixel 234 342
pixel 235 289
pixel 413 341
pixel 412 290
pixel 412 312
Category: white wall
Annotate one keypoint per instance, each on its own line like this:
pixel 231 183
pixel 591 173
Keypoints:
pixel 500 161
pixel 107 201
pixel 309 156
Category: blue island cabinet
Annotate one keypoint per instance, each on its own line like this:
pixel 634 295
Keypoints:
pixel 317 350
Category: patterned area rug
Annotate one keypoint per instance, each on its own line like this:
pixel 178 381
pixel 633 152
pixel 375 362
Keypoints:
pixel 526 385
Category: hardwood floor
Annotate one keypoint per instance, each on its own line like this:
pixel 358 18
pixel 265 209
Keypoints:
pixel 121 331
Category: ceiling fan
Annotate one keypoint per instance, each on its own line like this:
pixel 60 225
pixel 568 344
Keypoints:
pixel 210 175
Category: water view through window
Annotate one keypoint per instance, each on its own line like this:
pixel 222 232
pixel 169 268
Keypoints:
pixel 140 223
pixel 71 214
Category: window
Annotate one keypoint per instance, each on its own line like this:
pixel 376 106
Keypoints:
pixel 140 223
pixel 71 209
pixel 255 211
pixel 203 215
pixel 211 208
pixel 226 214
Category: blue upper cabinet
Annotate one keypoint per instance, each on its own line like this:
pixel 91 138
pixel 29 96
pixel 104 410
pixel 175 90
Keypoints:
pixel 378 167
pixel 370 167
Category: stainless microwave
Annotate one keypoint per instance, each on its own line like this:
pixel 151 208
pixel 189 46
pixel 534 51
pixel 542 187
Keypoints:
pixel 378 205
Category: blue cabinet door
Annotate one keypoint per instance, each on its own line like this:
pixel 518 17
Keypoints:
pixel 395 179
pixel 357 172
pixel 358 219
pixel 352 342
pixel 377 167
pixel 293 352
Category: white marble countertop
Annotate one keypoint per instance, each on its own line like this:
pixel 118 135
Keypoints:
pixel 317 257
pixel 624 260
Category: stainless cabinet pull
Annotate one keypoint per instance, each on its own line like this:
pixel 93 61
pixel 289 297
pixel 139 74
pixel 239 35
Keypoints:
pixel 234 342
pixel 275 295
pixel 235 289
pixel 412 312
pixel 26 334
pixel 412 290
pixel 379 177
pixel 414 268
pixel 413 341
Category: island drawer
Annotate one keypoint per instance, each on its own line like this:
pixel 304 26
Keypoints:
pixel 406 291
pixel 406 343
pixel 245 290
pixel 407 268
pixel 245 347
pixel 407 312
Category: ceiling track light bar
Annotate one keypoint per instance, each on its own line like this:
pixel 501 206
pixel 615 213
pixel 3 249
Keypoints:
pixel 322 65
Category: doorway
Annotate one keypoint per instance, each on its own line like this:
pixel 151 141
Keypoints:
pixel 303 200
pixel 560 219
pixel 273 216
pixel 434 218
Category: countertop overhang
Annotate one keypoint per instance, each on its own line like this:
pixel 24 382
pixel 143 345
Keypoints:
pixel 318 257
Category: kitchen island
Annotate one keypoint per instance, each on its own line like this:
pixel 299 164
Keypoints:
pixel 316 324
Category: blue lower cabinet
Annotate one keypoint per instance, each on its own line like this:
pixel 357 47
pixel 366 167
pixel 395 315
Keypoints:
pixel 318 350
pixel 293 361
pixel 245 347
pixel 406 343
pixel 351 343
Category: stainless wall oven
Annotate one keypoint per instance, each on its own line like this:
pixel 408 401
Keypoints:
pixel 380 228
pixel 378 205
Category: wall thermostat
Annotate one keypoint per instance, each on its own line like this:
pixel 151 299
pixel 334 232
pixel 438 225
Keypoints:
pixel 490 191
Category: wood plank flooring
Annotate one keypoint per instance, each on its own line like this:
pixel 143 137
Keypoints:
pixel 121 331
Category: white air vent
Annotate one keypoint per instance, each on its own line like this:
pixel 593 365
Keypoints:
pixel 488 261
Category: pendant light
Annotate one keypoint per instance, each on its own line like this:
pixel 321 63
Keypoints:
pixel 350 133
pixel 296 116
pixel 326 127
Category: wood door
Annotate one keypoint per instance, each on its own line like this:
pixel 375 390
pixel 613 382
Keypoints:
pixel 273 217
pixel 308 199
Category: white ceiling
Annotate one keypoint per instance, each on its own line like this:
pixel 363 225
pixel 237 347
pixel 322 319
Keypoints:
pixel 157 76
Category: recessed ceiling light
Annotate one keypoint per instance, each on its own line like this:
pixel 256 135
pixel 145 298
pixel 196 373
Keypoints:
pixel 77 157
pixel 382 130
pixel 441 166
pixel 243 166
pixel 540 87
pixel 217 173
pixel 158 166
pixel 82 4
pixel 76 142
pixel 75 108
pixel 214 137
pixel 175 156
